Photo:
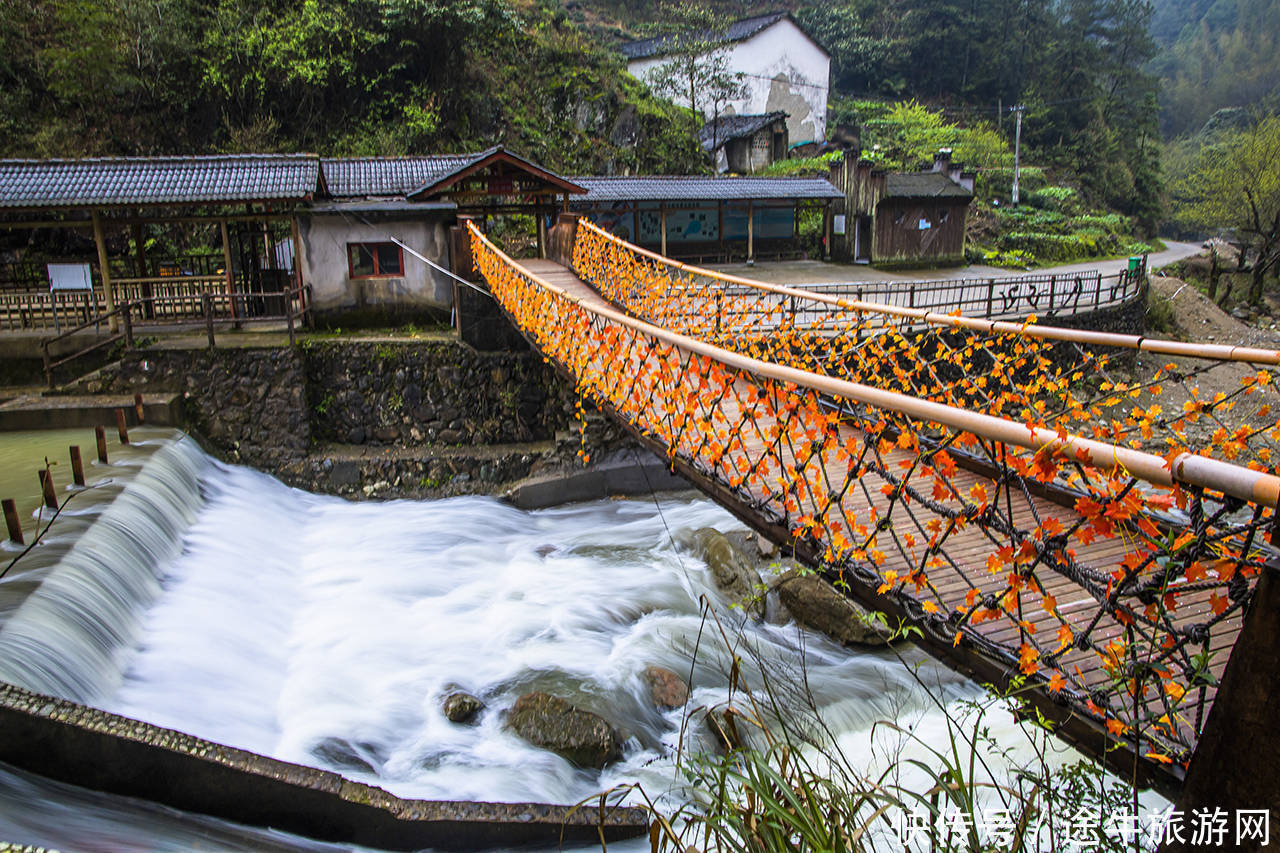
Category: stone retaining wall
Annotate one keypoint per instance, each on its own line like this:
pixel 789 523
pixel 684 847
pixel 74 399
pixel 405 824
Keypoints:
pixel 386 419
pixel 440 392
pixel 248 404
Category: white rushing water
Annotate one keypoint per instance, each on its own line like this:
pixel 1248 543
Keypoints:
pixel 66 636
pixel 325 632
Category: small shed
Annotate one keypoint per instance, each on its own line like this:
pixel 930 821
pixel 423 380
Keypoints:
pixel 698 217
pixel 920 220
pixel 745 143
pixel 901 219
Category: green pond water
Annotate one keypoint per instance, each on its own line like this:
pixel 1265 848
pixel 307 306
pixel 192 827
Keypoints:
pixel 22 456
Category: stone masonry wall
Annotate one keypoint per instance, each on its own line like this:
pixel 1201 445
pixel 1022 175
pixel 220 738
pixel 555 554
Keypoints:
pixel 249 404
pixel 387 419
pixel 440 392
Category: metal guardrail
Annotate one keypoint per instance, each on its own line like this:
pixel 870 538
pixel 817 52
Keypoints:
pixel 1045 295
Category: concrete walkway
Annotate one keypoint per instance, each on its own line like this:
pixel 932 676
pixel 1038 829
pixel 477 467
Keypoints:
pixel 814 272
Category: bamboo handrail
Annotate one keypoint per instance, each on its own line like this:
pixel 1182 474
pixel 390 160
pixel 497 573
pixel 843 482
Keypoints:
pixel 1215 352
pixel 1187 468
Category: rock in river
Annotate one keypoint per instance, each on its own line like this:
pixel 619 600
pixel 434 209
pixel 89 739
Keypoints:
pixel 550 722
pixel 733 571
pixel 667 690
pixel 461 707
pixel 818 605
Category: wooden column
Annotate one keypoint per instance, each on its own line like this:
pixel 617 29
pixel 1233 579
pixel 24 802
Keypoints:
pixel 1234 765
pixel 751 230
pixel 104 269
pixel 720 214
pixel 540 215
pixel 140 252
pixel 295 235
pixel 268 250
pixel 826 231
pixel 226 266
pixel 662 223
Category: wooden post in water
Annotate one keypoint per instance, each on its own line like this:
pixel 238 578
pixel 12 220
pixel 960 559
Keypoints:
pixel 12 522
pixel 121 427
pixel 101 434
pixel 137 407
pixel 46 488
pixel 77 466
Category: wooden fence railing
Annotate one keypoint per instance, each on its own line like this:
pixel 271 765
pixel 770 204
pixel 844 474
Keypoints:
pixel 292 306
pixel 164 299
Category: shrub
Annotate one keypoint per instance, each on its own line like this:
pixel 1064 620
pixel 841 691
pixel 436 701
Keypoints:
pixel 1053 248
pixel 1053 198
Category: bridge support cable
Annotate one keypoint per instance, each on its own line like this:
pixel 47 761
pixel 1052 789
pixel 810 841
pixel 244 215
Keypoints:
pixel 1106 580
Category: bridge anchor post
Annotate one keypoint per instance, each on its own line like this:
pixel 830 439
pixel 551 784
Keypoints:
pixel 1236 765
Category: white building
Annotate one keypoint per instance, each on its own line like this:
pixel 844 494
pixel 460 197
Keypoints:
pixel 782 67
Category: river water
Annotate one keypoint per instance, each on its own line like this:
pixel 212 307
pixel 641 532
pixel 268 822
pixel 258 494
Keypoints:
pixel 215 600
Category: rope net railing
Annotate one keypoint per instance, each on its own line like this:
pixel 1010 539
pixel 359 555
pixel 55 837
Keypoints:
pixel 1111 578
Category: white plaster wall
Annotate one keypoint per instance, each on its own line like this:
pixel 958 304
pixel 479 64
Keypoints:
pixel 784 70
pixel 324 241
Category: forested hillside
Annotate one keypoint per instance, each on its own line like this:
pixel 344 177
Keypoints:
pixel 1215 54
pixel 85 77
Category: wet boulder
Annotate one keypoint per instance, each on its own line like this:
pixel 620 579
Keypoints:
pixel 460 706
pixel 734 573
pixel 549 722
pixel 818 605
pixel 666 689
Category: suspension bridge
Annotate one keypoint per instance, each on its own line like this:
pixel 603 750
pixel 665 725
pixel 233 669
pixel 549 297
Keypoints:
pixel 1048 517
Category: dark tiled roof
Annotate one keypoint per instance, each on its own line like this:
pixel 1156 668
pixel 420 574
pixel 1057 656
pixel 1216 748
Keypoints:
pixel 717 133
pixel 376 177
pixel 923 185
pixel 416 177
pixel 737 31
pixel 131 181
pixel 694 188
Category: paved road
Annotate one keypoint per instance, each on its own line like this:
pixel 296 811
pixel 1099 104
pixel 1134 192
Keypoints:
pixel 810 272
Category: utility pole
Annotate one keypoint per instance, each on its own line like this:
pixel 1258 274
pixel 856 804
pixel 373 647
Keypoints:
pixel 1017 150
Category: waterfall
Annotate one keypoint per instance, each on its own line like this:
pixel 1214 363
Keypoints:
pixel 71 637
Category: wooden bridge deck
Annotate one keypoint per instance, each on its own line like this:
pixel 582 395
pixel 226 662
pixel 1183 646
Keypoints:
pixel 965 564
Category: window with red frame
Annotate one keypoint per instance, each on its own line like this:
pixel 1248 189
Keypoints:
pixel 368 260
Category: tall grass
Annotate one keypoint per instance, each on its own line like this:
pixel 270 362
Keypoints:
pixel 783 782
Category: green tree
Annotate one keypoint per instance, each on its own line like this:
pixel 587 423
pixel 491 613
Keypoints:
pixel 909 134
pixel 1235 184
pixel 696 73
